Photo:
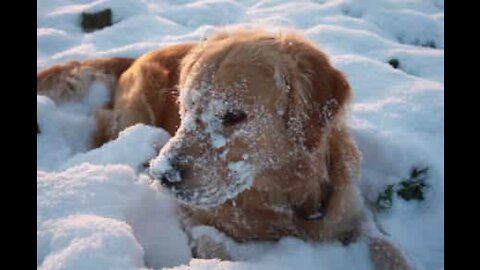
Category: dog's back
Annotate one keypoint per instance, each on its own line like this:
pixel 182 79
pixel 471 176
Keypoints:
pixel 71 81
pixel 141 90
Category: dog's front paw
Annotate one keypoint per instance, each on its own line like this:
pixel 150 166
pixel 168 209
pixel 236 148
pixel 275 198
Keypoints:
pixel 385 256
pixel 208 243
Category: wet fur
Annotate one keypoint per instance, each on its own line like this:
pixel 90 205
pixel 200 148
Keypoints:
pixel 145 91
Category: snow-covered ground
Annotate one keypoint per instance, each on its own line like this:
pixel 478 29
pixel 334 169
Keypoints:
pixel 98 209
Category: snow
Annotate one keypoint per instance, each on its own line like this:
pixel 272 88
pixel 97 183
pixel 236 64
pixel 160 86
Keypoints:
pixel 73 238
pixel 91 214
pixel 98 209
pixel 146 139
pixel 291 253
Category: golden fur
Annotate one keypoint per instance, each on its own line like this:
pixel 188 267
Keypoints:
pixel 287 133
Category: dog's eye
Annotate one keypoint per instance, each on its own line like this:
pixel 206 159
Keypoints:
pixel 233 117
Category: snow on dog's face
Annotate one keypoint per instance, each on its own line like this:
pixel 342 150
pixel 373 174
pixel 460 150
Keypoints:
pixel 241 122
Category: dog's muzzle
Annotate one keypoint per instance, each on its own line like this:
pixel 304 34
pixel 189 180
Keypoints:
pixel 166 170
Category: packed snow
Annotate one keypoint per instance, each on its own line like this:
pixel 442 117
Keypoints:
pixel 99 209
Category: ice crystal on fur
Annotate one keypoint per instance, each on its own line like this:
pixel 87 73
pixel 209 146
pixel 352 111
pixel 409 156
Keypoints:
pixel 243 172
pixel 328 110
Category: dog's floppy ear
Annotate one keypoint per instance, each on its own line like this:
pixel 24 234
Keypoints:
pixel 318 92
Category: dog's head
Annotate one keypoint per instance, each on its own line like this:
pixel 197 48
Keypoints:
pixel 255 112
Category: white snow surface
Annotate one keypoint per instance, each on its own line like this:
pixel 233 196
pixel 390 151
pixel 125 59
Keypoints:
pixel 97 209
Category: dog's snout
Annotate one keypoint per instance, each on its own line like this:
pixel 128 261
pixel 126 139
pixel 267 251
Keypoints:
pixel 171 178
pixel 166 182
pixel 167 170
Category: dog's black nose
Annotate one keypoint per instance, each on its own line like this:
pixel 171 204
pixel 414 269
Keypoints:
pixel 171 178
pixel 166 170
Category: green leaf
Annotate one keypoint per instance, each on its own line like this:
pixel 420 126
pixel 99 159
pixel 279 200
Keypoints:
pixel 385 199
pixel 414 187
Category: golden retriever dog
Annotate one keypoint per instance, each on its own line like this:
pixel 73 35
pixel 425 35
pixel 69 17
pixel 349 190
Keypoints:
pixel 260 149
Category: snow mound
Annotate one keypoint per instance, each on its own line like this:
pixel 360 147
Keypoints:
pixel 121 220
